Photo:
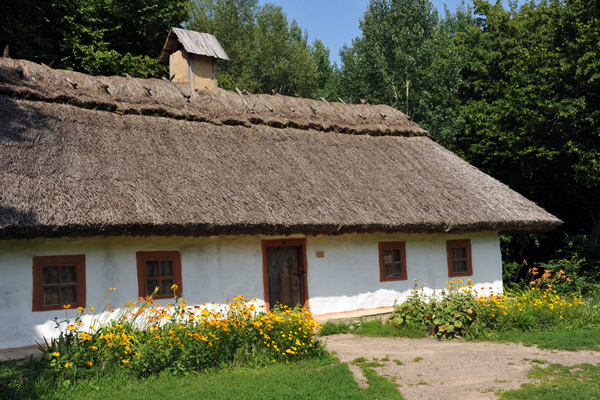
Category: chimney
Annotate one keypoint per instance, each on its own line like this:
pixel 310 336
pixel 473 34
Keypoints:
pixel 192 58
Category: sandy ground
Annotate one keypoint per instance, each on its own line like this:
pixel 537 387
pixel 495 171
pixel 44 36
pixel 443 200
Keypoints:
pixel 433 369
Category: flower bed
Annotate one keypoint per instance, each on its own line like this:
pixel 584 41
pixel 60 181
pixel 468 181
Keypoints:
pixel 148 337
pixel 459 311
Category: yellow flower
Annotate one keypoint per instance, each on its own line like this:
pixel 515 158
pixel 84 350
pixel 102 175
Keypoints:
pixel 67 365
pixel 94 347
pixel 71 327
pixel 56 354
pixel 125 361
pixel 89 363
pixel 174 287
pixel 66 306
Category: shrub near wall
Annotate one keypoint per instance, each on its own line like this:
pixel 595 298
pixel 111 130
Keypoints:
pixel 147 337
pixel 459 311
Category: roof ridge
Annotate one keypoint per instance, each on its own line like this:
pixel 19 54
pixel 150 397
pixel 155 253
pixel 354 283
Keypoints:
pixel 27 80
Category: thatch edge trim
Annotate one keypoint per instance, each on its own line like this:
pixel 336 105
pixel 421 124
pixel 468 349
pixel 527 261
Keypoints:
pixel 198 230
pixel 25 93
pixel 21 87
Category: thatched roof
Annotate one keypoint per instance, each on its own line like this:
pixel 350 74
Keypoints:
pixel 83 155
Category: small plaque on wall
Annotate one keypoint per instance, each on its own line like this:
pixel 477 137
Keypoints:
pixel 320 254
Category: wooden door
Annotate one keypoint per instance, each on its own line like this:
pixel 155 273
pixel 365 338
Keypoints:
pixel 285 275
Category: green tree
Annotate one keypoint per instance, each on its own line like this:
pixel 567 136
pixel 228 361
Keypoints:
pixel 530 97
pixel 99 36
pixel 266 51
pixel 406 58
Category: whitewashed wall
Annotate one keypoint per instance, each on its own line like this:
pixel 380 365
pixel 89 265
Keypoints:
pixel 347 278
pixel 219 268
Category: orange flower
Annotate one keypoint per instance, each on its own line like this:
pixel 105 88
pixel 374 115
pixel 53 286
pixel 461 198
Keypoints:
pixel 66 306
pixel 546 274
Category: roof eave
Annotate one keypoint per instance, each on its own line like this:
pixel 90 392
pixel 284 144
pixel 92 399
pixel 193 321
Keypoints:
pixel 207 229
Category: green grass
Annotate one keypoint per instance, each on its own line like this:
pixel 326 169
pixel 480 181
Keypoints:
pixel 558 382
pixel 560 339
pixel 369 328
pixel 379 386
pixel 568 339
pixel 315 379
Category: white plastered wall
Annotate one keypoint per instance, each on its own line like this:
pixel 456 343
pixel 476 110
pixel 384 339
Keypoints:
pixel 219 268
pixel 347 277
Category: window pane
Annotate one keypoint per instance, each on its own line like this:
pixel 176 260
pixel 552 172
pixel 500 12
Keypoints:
pixel 388 257
pixel 68 275
pixel 50 276
pixel 393 270
pixel 68 294
pixel 166 269
pixel 152 269
pixel 392 255
pixel 151 284
pixel 166 286
pixel 459 252
pixel 459 266
pixel 50 296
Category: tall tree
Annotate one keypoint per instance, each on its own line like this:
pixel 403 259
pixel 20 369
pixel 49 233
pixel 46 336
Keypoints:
pixel 405 58
pixel 530 96
pixel 266 51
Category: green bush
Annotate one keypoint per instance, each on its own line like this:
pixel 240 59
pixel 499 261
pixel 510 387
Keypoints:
pixel 545 303
pixel 449 314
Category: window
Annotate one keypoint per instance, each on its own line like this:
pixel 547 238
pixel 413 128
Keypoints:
pixel 459 257
pixel 392 261
pixel 159 269
pixel 58 281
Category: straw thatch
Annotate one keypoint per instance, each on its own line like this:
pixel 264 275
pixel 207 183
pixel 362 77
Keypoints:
pixel 83 155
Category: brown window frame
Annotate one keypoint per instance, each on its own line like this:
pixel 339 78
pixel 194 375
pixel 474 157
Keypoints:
pixel 457 243
pixel 392 246
pixel 39 262
pixel 173 256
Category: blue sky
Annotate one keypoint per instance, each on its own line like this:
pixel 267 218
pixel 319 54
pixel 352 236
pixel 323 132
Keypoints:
pixel 335 22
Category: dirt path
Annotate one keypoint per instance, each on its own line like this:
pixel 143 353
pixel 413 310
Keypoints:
pixel 432 369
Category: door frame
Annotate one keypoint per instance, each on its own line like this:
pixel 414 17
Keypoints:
pixel 303 281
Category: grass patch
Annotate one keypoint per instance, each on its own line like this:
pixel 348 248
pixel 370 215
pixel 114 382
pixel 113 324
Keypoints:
pixel 560 339
pixel 380 387
pixel 370 328
pixel 297 380
pixel 568 339
pixel 560 382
